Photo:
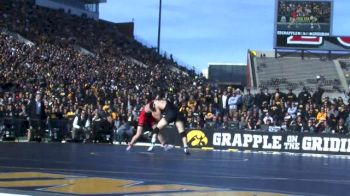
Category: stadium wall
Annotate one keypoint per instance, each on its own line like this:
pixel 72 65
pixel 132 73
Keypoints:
pixel 227 74
pixel 126 28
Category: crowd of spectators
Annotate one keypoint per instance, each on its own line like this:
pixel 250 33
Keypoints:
pixel 43 25
pixel 273 112
pixel 107 82
pixel 53 86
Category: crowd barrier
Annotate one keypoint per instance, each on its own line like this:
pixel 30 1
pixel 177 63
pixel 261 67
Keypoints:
pixel 224 139
pixel 12 128
pixel 58 130
pixel 209 138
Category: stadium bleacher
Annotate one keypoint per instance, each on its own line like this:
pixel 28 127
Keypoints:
pixel 296 73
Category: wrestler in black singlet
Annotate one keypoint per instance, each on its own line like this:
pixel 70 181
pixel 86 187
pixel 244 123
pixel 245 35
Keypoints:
pixel 171 113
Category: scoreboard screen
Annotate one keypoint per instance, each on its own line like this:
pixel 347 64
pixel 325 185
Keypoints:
pixel 304 17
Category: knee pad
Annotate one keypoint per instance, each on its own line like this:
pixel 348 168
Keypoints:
pixel 156 130
pixel 183 134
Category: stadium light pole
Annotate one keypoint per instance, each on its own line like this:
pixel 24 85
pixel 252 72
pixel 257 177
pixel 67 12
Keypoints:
pixel 159 25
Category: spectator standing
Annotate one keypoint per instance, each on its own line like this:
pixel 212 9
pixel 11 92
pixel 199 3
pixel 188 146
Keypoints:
pixel 37 118
pixel 317 96
pixel 259 98
pixel 304 96
pixel 290 96
pixel 81 127
pixel 224 103
pixel 248 101
pixel 232 104
pixel 266 96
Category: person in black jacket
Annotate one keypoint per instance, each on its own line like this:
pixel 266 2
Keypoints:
pixel 248 100
pixel 304 96
pixel 37 118
pixel 259 98
pixel 290 96
pixel 317 96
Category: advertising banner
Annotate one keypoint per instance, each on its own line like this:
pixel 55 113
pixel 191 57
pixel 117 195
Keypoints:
pixel 264 141
pixel 313 43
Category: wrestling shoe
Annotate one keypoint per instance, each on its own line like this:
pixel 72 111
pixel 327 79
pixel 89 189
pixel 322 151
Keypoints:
pixel 150 148
pixel 168 147
pixel 187 151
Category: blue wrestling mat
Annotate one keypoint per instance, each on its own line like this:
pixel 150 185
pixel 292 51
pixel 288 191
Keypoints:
pixel 91 169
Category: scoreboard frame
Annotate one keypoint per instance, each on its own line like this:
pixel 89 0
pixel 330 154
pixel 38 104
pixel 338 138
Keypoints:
pixel 304 24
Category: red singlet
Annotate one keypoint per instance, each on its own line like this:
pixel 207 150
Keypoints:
pixel 143 120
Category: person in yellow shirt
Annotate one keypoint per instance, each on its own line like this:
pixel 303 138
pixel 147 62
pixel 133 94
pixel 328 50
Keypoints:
pixel 321 115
